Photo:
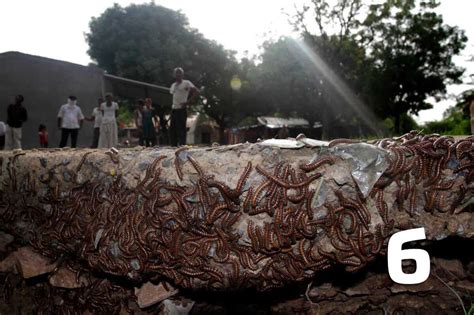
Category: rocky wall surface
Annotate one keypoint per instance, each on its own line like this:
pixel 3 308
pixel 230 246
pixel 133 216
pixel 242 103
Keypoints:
pixel 142 224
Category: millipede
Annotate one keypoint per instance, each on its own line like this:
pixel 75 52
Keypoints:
pixel 274 224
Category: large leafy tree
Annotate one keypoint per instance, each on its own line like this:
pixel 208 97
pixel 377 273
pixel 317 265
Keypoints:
pixel 412 51
pixel 318 76
pixel 146 42
pixel 456 119
pixel 400 51
pixel 318 79
pixel 142 42
pixel 286 80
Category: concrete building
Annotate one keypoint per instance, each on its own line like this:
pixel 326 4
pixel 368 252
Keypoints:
pixel 46 83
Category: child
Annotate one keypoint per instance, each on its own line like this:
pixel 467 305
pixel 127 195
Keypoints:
pixel 43 136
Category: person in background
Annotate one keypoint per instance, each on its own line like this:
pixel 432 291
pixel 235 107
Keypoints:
pixel 108 129
pixel 70 119
pixel 180 89
pixel 149 119
pixel 3 128
pixel 163 137
pixel 43 136
pixel 283 133
pixel 138 117
pixel 16 116
pixel 471 109
pixel 96 117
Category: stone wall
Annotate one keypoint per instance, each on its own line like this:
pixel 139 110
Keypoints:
pixel 255 218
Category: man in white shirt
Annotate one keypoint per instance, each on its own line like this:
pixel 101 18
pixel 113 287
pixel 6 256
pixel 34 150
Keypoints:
pixel 70 119
pixel 180 90
pixel 96 117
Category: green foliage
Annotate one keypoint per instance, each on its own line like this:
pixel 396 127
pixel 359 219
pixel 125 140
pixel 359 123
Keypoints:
pixel 388 57
pixel 125 112
pixel 413 59
pixel 406 123
pixel 394 56
pixel 248 121
pixel 146 42
pixel 314 78
pixel 456 119
pixel 143 42
pixel 455 122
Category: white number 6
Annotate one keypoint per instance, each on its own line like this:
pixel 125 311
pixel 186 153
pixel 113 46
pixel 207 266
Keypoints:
pixel 395 256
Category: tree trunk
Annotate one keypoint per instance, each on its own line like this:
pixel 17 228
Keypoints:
pixel 248 216
pixel 397 123
pixel 222 138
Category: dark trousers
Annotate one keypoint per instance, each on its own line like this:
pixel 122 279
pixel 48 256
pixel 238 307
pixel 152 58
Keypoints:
pixel 149 142
pixel 65 132
pixel 178 127
pixel 95 138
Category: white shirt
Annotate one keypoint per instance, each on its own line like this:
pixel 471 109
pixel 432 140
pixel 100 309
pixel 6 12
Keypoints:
pixel 70 116
pixel 2 128
pixel 180 93
pixel 139 118
pixel 109 112
pixel 97 114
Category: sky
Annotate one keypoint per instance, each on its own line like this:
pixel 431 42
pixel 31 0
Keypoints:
pixel 56 28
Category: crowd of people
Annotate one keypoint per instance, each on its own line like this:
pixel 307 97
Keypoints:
pixel 104 117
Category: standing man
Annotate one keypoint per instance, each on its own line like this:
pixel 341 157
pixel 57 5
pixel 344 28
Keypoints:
pixel 96 117
pixel 16 116
pixel 180 90
pixel 70 119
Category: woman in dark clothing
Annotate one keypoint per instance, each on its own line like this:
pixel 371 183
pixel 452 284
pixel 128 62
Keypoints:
pixel 148 123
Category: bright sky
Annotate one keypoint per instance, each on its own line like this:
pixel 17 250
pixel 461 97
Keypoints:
pixel 55 28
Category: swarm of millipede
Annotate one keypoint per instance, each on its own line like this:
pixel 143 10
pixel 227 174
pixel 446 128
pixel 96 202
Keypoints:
pixel 264 232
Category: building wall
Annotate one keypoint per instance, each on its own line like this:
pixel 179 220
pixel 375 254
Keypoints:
pixel 198 126
pixel 46 84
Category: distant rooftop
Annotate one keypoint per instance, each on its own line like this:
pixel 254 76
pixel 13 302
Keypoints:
pixel 277 122
pixel 18 54
pixel 44 59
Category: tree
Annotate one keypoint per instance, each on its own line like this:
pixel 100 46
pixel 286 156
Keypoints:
pixel 315 78
pixel 456 119
pixel 412 50
pixel 143 42
pixel 213 69
pixel 407 50
pixel 286 80
pixel 320 74
pixel 146 42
